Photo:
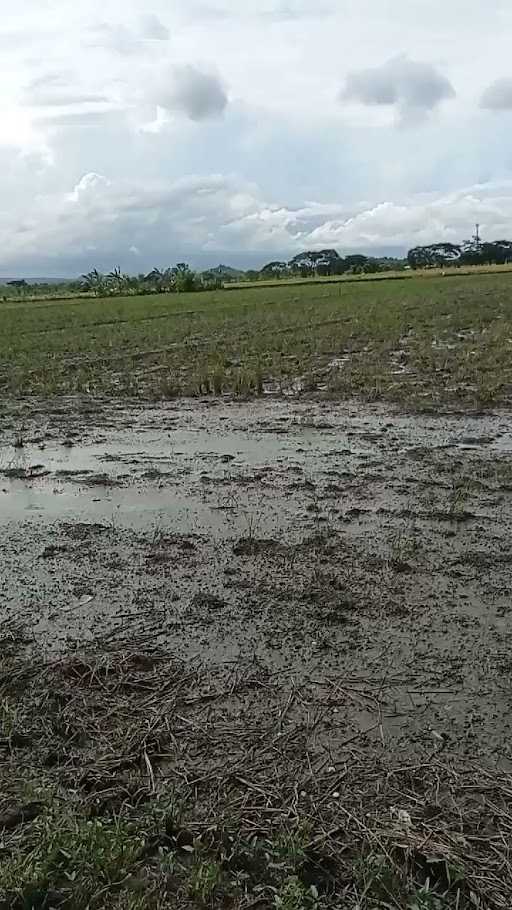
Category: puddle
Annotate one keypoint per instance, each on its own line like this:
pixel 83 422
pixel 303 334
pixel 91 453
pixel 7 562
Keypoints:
pixel 136 477
pixel 207 475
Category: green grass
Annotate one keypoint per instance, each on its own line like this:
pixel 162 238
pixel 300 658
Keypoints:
pixel 66 859
pixel 71 854
pixel 391 275
pixel 421 342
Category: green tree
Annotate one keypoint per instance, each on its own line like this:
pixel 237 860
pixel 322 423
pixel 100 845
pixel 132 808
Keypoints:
pixel 435 255
pixel 274 269
pixel 94 281
pixel 184 277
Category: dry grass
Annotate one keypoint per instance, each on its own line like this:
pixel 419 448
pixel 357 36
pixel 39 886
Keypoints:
pixel 131 780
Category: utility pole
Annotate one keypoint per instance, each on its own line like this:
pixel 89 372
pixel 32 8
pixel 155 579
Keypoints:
pixel 477 235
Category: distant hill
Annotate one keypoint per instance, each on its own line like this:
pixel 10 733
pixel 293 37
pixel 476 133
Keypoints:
pixel 224 271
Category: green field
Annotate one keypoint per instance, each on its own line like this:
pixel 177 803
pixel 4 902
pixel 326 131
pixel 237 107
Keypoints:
pixel 422 342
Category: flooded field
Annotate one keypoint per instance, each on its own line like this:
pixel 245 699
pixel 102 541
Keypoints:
pixel 323 541
pixel 331 581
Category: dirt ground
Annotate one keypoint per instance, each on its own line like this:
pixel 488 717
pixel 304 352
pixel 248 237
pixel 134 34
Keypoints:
pixel 338 569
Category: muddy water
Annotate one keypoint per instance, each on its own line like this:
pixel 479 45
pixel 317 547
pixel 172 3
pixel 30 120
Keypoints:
pixel 142 474
pixel 350 549
pixel 158 469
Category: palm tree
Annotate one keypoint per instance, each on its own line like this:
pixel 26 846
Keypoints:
pixel 163 281
pixel 154 277
pixel 118 282
pixel 94 281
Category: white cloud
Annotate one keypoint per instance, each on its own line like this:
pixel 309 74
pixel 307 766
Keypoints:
pixel 58 89
pixel 291 10
pixel 498 96
pixel 412 87
pixel 153 28
pixel 135 91
pixel 90 185
pixel 115 37
pixel 103 219
pixel 64 99
pixel 75 119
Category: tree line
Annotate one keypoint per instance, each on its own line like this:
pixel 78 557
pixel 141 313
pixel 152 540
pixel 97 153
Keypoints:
pixel 471 252
pixel 308 264
pixel 179 278
pixel 325 263
pixel 434 255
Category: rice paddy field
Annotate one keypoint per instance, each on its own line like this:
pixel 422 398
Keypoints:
pixel 256 598
pixel 423 342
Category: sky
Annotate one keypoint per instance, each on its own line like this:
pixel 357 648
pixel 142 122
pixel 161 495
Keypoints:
pixel 138 133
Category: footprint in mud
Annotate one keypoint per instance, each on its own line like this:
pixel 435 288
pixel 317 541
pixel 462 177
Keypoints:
pixel 205 601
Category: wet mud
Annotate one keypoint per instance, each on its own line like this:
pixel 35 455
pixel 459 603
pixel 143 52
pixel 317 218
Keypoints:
pixel 361 554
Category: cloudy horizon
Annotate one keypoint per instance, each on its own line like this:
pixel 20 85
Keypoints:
pixel 138 135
